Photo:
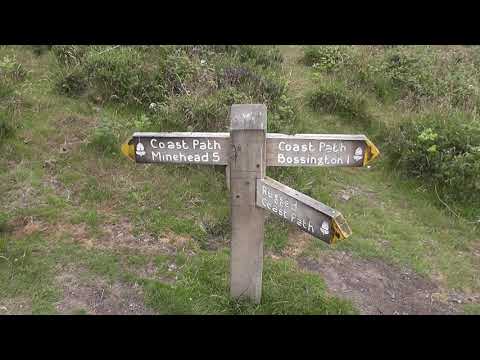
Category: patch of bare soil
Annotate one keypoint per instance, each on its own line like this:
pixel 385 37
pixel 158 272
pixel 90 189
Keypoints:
pixel 377 288
pixel 296 247
pixel 75 130
pixel 98 297
pixel 24 226
pixel 350 192
pixel 15 306
pixel 151 271
pixel 22 198
pixel 119 234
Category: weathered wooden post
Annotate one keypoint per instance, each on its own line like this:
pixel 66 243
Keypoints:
pixel 248 125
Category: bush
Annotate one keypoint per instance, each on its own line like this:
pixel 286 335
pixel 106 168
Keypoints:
pixel 443 151
pixel 265 86
pixel 326 58
pixel 179 73
pixel 182 87
pixel 335 98
pixel 71 81
pixel 415 75
pixel 407 72
pixel 198 112
pixel 121 75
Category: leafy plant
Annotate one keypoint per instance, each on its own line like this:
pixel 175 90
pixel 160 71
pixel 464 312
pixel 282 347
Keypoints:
pixel 443 151
pixel 334 98
pixel 325 58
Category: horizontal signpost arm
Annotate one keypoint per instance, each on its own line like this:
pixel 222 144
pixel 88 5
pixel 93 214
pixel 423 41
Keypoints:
pixel 319 150
pixel 201 148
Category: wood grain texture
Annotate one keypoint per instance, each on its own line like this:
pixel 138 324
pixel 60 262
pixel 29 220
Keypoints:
pixel 246 166
pixel 306 213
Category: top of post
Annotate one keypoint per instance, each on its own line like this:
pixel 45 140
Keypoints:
pixel 248 117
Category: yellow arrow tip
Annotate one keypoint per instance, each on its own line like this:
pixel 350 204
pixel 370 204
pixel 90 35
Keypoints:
pixel 128 150
pixel 340 228
pixel 371 154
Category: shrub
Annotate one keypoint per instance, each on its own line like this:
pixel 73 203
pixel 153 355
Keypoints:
pixel 414 75
pixel 262 86
pixel 182 87
pixel 207 114
pixel 121 75
pixel 443 151
pixel 335 98
pixel 179 73
pixel 325 58
pixel 71 81
pixel 407 72
pixel 198 112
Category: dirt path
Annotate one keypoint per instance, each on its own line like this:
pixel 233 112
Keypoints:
pixel 98 296
pixel 377 288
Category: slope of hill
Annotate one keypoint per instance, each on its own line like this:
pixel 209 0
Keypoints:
pixel 83 230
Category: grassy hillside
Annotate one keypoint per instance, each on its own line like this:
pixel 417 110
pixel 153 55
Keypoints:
pixel 84 230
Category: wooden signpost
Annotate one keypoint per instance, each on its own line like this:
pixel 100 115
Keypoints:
pixel 246 151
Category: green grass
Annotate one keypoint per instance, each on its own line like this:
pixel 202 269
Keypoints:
pixel 202 288
pixel 472 309
pixel 24 273
pixel 392 219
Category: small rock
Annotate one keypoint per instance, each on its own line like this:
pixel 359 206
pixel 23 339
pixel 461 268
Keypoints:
pixel 346 197
pixel 49 163
pixel 172 267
